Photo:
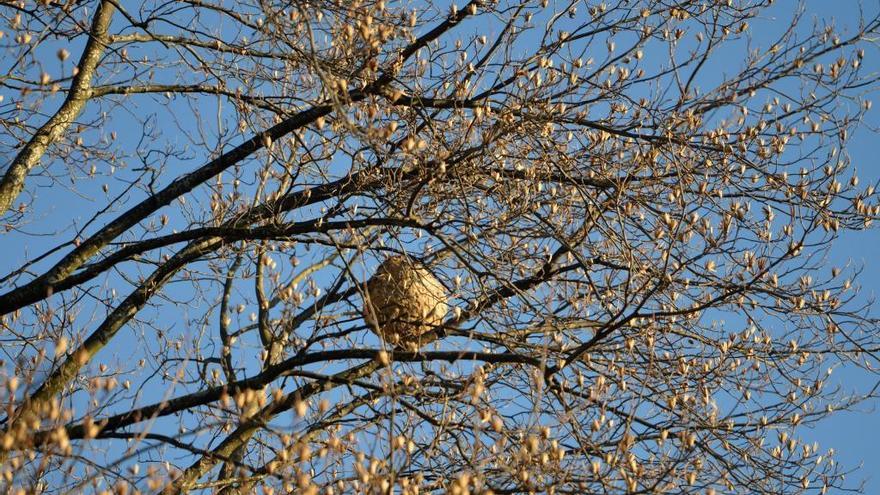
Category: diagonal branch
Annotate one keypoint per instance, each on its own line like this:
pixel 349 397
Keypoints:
pixel 28 158
pixel 44 285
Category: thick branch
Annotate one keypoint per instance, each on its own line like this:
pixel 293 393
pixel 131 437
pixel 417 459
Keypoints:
pixel 13 180
pixel 44 285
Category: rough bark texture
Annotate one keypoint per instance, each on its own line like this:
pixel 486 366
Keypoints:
pixel 28 158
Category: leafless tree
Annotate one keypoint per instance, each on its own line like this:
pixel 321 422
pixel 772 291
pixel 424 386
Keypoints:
pixel 629 205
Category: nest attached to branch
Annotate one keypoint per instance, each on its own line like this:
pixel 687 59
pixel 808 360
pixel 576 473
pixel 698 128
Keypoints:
pixel 403 301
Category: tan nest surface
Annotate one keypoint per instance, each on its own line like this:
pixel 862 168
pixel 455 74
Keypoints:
pixel 403 301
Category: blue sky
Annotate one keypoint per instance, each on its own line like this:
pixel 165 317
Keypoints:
pixel 853 435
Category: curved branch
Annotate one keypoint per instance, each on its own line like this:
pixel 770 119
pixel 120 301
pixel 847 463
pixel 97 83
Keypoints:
pixel 13 180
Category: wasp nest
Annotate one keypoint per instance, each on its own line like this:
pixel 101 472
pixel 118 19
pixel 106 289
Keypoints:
pixel 403 301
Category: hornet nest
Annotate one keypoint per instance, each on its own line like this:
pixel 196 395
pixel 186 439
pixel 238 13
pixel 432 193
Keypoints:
pixel 403 301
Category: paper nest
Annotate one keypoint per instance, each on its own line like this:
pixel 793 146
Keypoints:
pixel 403 301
